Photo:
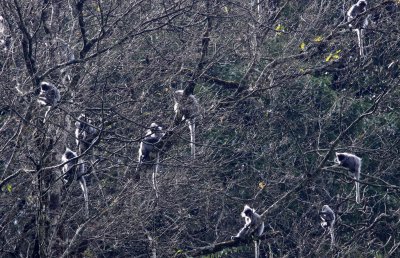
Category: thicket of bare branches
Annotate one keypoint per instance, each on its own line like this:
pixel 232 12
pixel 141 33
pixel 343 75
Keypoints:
pixel 281 85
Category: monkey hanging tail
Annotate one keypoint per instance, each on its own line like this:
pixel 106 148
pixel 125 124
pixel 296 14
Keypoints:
pixel 155 172
pixel 192 129
pixel 82 183
pixel 256 248
pixel 360 41
pixel 357 177
pixel 332 233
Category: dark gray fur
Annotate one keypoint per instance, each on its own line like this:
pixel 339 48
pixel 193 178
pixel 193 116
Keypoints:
pixel 73 170
pixel 353 163
pixel 358 23
pixel 254 226
pixel 84 133
pixel 328 221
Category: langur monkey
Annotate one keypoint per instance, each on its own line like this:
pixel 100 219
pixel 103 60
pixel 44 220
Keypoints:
pixel 84 133
pixel 72 170
pixel 187 108
pixel 359 24
pixel 152 136
pixel 328 220
pixel 353 163
pixel 49 97
pixel 254 226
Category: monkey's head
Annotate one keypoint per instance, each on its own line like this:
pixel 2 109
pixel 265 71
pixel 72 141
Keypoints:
pixel 247 211
pixel 325 208
pixel 154 126
pixel 82 123
pixel 156 129
pixel 82 117
pixel 45 86
pixel 69 154
pixel 362 3
pixel 178 95
pixel 340 156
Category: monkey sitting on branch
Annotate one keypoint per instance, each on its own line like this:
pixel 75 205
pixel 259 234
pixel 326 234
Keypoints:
pixel 254 226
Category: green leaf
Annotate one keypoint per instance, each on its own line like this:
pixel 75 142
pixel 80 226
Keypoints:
pixel 179 251
pixel 328 58
pixel 279 28
pixel 333 56
pixel 303 46
pixel 318 39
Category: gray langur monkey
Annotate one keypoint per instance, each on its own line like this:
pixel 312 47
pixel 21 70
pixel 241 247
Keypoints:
pixel 328 219
pixel 353 163
pixel 84 133
pixel 187 108
pixel 254 226
pixel 49 97
pixel 359 24
pixel 72 170
pixel 147 146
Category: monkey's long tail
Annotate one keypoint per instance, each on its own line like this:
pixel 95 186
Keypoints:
pixel 192 128
pixel 332 233
pixel 360 41
pixel 358 199
pixel 256 248
pixel 82 183
pixel 155 172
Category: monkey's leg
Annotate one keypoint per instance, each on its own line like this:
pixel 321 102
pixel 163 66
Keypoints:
pixel 82 183
pixel 192 129
pixel 45 114
pixel 139 163
pixel 243 232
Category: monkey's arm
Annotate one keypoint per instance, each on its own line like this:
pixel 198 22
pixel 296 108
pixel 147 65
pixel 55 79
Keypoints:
pixel 243 232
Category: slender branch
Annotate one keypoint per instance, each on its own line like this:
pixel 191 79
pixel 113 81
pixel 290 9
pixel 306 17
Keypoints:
pixel 5 180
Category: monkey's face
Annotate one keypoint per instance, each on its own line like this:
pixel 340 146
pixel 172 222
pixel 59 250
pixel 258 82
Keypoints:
pixel 340 157
pixel 45 87
pixel 248 212
pixel 82 118
pixel 154 127
pixel 69 155
pixel 178 95
pixel 82 126
pixel 362 3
